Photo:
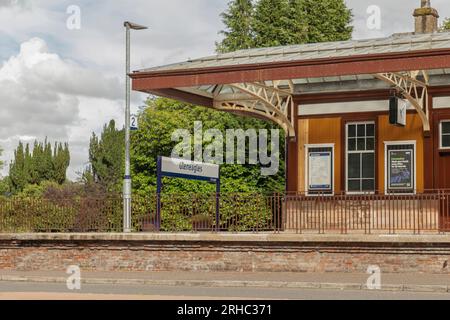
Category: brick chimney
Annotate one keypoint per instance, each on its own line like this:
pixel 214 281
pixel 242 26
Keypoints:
pixel 426 18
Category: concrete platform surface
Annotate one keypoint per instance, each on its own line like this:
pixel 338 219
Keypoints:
pixel 343 281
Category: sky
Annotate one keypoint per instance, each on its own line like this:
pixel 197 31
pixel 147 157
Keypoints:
pixel 62 74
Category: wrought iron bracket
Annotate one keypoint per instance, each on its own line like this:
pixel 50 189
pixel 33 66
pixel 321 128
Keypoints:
pixel 264 100
pixel 412 89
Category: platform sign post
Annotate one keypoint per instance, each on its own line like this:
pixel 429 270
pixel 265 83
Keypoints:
pixel 186 169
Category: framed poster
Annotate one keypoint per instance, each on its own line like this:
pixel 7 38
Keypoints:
pixel 319 178
pixel 400 168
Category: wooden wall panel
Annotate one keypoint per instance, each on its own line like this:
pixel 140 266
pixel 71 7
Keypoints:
pixel 303 128
pixel 327 130
pixel 412 131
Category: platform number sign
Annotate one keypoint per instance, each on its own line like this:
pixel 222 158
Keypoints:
pixel 134 122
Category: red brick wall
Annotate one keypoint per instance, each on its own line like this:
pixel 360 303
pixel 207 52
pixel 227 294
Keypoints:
pixel 206 255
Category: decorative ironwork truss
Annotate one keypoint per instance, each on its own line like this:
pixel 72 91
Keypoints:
pixel 272 100
pixel 413 86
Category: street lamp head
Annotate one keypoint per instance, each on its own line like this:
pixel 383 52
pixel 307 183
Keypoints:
pixel 134 26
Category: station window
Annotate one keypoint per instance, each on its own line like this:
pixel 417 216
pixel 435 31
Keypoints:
pixel 445 134
pixel 360 157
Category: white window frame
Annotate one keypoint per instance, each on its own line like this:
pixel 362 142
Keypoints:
pixel 347 152
pixel 396 143
pixel 441 147
pixel 311 146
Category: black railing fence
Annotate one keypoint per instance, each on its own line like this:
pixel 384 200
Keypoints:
pixel 425 212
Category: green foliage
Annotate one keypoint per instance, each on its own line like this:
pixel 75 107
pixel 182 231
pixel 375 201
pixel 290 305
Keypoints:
pixel 32 190
pixel 445 25
pixel 106 156
pixel 4 186
pixel 268 23
pixel 157 123
pixel 42 164
pixel 271 23
pixel 1 162
pixel 237 20
pixel 328 20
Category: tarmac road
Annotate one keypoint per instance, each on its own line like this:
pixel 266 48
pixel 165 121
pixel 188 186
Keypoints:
pixel 45 291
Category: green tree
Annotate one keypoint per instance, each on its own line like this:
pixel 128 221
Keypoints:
pixel 271 23
pixel 4 186
pixel 157 123
pixel 445 25
pixel 61 161
pixel 238 30
pixel 106 156
pixel 284 22
pixel 328 20
pixel 17 174
pixel 1 162
pixel 37 166
pixel 297 22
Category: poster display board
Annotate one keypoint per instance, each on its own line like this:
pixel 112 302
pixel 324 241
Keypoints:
pixel 320 170
pixel 400 169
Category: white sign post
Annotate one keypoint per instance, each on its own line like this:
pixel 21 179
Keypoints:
pixel 186 169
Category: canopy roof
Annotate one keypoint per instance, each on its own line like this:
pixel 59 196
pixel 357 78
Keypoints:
pixel 262 82
pixel 396 43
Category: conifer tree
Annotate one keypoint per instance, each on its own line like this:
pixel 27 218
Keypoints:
pixel 297 22
pixel 61 161
pixel 328 20
pixel 271 23
pixel 106 156
pixel 17 176
pixel 238 32
pixel 42 164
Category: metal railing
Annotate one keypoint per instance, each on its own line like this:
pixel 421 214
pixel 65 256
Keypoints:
pixel 425 212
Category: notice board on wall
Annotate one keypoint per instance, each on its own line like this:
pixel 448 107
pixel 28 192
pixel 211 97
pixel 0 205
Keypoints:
pixel 320 170
pixel 400 168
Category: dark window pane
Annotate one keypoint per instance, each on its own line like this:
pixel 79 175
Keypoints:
pixel 354 185
pixel 352 144
pixel 370 144
pixel 370 130
pixel 352 130
pixel 368 165
pixel 445 127
pixel 361 144
pixel 361 130
pixel 368 185
pixel 354 165
pixel 446 141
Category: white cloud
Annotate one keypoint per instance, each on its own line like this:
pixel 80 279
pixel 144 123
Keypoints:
pixel 43 95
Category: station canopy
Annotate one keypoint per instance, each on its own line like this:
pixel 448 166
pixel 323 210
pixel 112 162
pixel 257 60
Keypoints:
pixel 263 82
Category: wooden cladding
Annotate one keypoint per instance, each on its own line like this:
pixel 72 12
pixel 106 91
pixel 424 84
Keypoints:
pixel 331 130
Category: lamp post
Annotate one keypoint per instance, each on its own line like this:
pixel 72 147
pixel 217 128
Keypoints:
pixel 127 179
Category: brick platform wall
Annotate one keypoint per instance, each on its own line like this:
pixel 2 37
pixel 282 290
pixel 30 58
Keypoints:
pixel 209 253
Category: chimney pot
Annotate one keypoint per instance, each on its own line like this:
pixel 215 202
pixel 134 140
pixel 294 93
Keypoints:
pixel 426 18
